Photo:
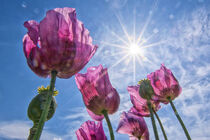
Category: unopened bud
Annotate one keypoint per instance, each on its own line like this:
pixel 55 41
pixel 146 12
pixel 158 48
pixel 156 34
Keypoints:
pixel 145 90
pixel 37 104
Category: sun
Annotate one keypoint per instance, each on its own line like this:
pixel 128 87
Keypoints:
pixel 134 49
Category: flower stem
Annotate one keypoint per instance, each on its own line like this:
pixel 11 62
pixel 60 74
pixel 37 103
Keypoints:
pixel 161 125
pixel 179 118
pixel 153 120
pixel 109 124
pixel 46 106
pixel 33 131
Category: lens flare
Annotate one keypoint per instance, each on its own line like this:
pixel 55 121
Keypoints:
pixel 132 48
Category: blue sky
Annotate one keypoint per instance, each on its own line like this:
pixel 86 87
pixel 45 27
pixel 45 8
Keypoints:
pixel 177 34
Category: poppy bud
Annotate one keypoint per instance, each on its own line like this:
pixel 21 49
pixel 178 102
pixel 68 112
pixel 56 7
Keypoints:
pixel 36 106
pixel 145 90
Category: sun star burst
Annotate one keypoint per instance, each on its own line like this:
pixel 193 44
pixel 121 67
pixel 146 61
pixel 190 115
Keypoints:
pixel 133 49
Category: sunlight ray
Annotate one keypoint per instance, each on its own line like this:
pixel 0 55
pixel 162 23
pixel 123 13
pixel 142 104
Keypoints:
pixel 154 44
pixel 132 46
pixel 139 61
pixel 123 28
pixel 128 60
pixel 134 69
pixel 112 44
pixel 117 36
pixel 118 61
pixel 144 28
pixel 134 25
pixel 147 22
pixel 116 54
pixel 146 40
pixel 144 59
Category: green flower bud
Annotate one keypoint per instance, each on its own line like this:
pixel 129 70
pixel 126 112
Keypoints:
pixel 145 90
pixel 36 106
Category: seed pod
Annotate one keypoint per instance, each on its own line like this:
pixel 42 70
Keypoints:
pixel 36 106
pixel 145 90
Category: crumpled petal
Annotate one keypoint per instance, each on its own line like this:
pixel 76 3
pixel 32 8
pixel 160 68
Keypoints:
pixel 97 91
pixel 91 131
pixel 63 41
pixel 35 58
pixel 133 125
pixel 94 116
pixel 164 84
pixel 33 30
pixel 139 103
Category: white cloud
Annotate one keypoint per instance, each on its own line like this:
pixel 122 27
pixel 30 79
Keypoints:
pixel 24 5
pixel 14 130
pixel 20 130
pixel 77 116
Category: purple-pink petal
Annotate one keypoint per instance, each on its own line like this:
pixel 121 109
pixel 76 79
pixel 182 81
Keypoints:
pixel 94 116
pixel 139 103
pixel 35 58
pixel 164 84
pixel 63 41
pixel 33 30
pixel 91 131
pixel 97 91
pixel 134 91
pixel 133 125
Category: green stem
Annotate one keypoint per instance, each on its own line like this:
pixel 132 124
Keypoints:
pixel 179 118
pixel 46 106
pixel 33 131
pixel 153 120
pixel 109 124
pixel 161 125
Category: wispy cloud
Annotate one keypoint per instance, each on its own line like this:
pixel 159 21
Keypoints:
pixel 117 3
pixel 186 52
pixel 24 4
pixel 77 116
pixel 189 60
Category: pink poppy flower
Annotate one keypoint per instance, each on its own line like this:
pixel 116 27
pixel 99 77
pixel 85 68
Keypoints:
pixel 97 91
pixel 59 42
pixel 164 84
pixel 134 126
pixel 91 131
pixel 140 104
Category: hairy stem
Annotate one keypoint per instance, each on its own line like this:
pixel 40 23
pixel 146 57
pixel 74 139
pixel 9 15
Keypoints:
pixel 33 131
pixel 46 106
